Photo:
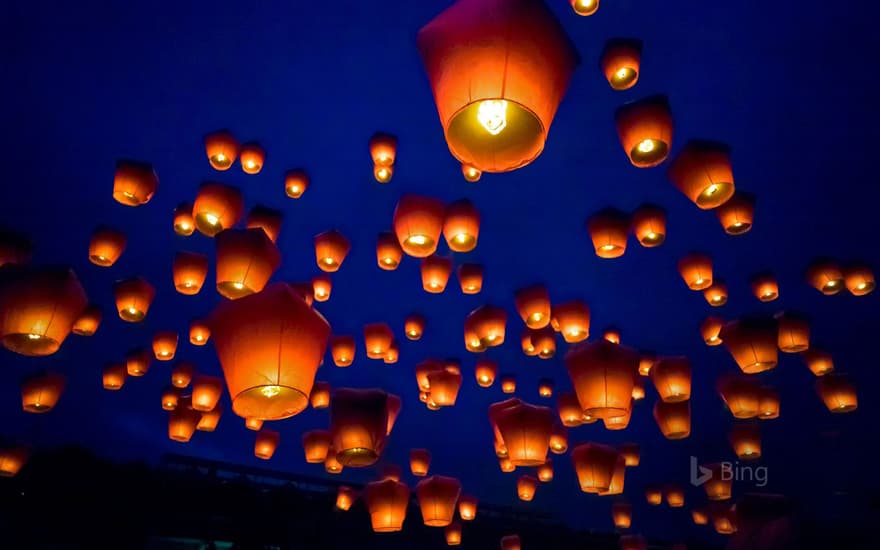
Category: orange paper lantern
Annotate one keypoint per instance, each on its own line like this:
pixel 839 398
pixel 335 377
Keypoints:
pixel 511 542
pixel 181 374
pixel 40 393
pixel 296 182
pixel 199 333
pixel 696 270
pixel 794 332
pixel 631 454
pixel 345 497
pixel 12 460
pixel 331 247
pixel 359 422
pixel 114 376
pixel 470 276
pixel 383 149
pixel 649 225
pixel 672 378
pixel 137 362
pixel 572 320
pixel 217 207
pixel 419 462
pixel 222 149
pixel 88 321
pixel 609 229
pixel 838 393
pixel 533 305
pixel 558 440
pixel 134 183
pixel 737 214
pixel 826 277
pixel 184 224
pixel 819 362
pixel 378 338
pixel 602 374
pixel 246 260
pixel 471 173
pixel 485 372
pixel 595 465
pixel 711 330
pixel 645 130
pixel 252 158
pixel 342 348
pixel 526 486
pixel 674 496
pixel 746 441
pixel 106 246
pixel 438 496
pixel 444 385
pixel 322 286
pixel 753 343
pixel 265 443
pixel 388 252
pixel 621 514
pixel 435 273
pixel 165 345
pixel 859 280
pixel 206 392
pixel 508 384
pixel 417 223
pixel 182 423
pixel 320 396
pixel 525 430
pixel 414 326
pixel 190 270
pixel 467 507
pixel 485 327
pixel 316 445
pixel 545 387
pixel 765 287
pixel 453 534
pixel 740 395
pixel 674 419
pixel 620 62
pixel 461 226
pixel 585 7
pixel 716 294
pixel 387 502
pixel 210 419
pixel 702 172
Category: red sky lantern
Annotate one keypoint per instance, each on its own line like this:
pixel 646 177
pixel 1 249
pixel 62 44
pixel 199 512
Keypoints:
pixel 246 260
pixel 737 214
pixel 719 485
pixel 618 478
pixel 137 362
pixel 388 252
pixel 184 224
pixel 611 334
pixel 711 330
pixel 653 496
pixel 645 130
pixel 485 327
pixel 609 229
pixel 618 422
pixel 378 338
pixel 544 342
pixel 331 465
pixel 267 219
pixel 740 395
pixel 345 497
pixel 533 305
pixel 467 507
pixel 526 486
pixel 572 319
pixel 702 172
pixel 217 207
pixel 461 226
pixel 342 348
pixel 320 396
pixel 558 440
pixel 544 472
pixel 826 276
pixel 316 445
pixel 746 441
pixel 453 534
pixel 296 182
pixel 508 384
pixel 620 62
pixel 768 403
pixel 12 459
pixel 794 332
pixel 602 375
pixel 199 333
pixel 322 286
pixel 818 361
pixel 182 423
pixel 672 378
pixel 444 386
pixel 631 454
pixel 253 424
pixel 638 388
pixel 716 295
pixel 435 273
pixel 414 326
pixel 165 345
pixel 419 462
pixel 106 246
pixel 859 280
pixel 134 183
pixel 40 393
pixel 838 393
pixel 252 158
pixel 674 496
pixel 525 430
pixel 387 502
pixel 471 173
pixel 418 222
pixel 545 388
pixel 331 248
pixel 485 372
pixel 438 496
pixel 222 149
pixel 511 542
pixel 206 392
pixel 621 514
pixel 181 374
pixel 647 360
pixel 210 419
pixel 189 270
pixel 170 397
pixel 470 277
pixel 569 408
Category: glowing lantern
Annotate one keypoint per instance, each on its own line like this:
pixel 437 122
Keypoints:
pixel 753 343
pixel 794 332
pixel 819 362
pixel 182 423
pixel 181 374
pixel 419 462
pixel 12 460
pixel 252 158
pixel 826 277
pixel 620 62
pixel 638 389
pixel 746 441
pixel 544 342
pixel 206 392
pixel 360 422
pixel 594 464
pixel 608 229
pixel 453 534
pixel 345 497
pixel 246 260
pixel 649 225
pixel 621 514
pixel 696 270
pixel 859 280
pixel 342 348
pixel 618 422
pixel 471 173
pixel 316 445
pixel 700 516
pixel 545 472
pixel 467 507
pixel 331 465
pixel 210 419
pixel 199 333
pixel 40 393
pixel 724 522
pixel 508 384
pixel 295 183
pixel 320 396
pixel 545 387
pixel 486 325
pixel 485 372
pixel 114 376
pixel 512 542
pixel 444 386
pixel 134 183
pixel 165 345
pixel 470 276
pixel 674 496
pixel 106 246
pixel 672 378
pixel 674 419
pixel 711 331
pixel 387 502
pixel 569 408
pixel 533 305
pixel 461 226
pixel 15 248
pixel 526 341
pixel 414 326
pixel 611 334
pixel 526 487
pixel 838 393
pixel 184 225
pixel 740 395
pixel 424 369
pixel 765 287
pixel 322 287
pixel 378 337
pixel 265 443
pixel 417 223
pixel 190 270
pixel 437 498
pixel 388 252
pixel 435 273
pixel 253 424
pixel 768 403
pixel 217 207
pixel 498 71
pixel 267 219
pixel 222 149
pixel 88 321
pixel 331 247
pixel 137 362
pixel 525 430
pixel 737 214
pixel 645 130
pixel 702 172
pixel 383 149
pixel 716 294
pixel 602 375
pixel 573 320
pixel 647 360
pixel 720 483
pixel 631 454
pixel 653 496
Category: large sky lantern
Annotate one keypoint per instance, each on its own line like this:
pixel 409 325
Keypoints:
pixel 445 385
pixel 609 229
pixel 620 61
pixel 88 321
pixel 387 502
pixel 388 251
pixel 217 207
pixel 702 172
pixel 487 325
pixel 435 273
pixel 438 496
pixel 595 465
pixel 316 445
pixel 253 156
pixel 737 214
pixel 419 462
pixel 485 372
pixel 182 373
pixel 331 248
pixel 199 332
pixel 765 287
pixel 360 422
pixel 621 514
pixel 210 419
pixel 616 423
pixel 270 345
pixel 573 320
pixel 417 224
pixel 106 245
pixel 246 260
pixel 470 277
pixel 752 342
pixel 134 183
pixel 113 377
pixel 696 270
pixel 378 338
pixel 544 472
pixel 645 130
pixel 342 348
pixel 674 496
pixel 741 395
pixel 826 276
pixel 165 345
pixel 183 422
pixel 453 534
pixel 602 375
pixel 12 459
pixel 383 149
pixel 222 149
pixel 265 443
pixel 617 479
pixel 15 248
pixel 838 392
pixel 267 219
pixel 671 377
pixel 498 70
pixel 719 486
pixel 189 269
pixel 414 326
pixel 38 308
pixel 461 226
pixel 511 542
pixel 525 430
pixel 673 419
pixel 794 331
pixel 631 454
pixel 184 224
pixel 649 225
pixel 345 497
pixel 819 362
pixel 170 396
pixel 716 295
pixel 533 305
pixel 710 329
pixel 41 392
pixel 137 362
pixel 296 182
pixel 859 279
pixel 526 487
pixel 320 395
pixel 322 285
pixel 471 173
pixel 653 495
pixel 745 439
pixel 206 392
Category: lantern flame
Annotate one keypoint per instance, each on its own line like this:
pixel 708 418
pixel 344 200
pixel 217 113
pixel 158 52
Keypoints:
pixel 492 114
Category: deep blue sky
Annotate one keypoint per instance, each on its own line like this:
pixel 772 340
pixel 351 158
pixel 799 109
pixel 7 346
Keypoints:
pixel 790 86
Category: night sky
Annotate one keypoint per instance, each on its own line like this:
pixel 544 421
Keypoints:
pixel 789 86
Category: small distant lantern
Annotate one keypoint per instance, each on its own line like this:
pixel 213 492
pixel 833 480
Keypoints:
pixel 322 287
pixel 740 395
pixel 137 362
pixel 621 514
pixel 414 326
pixel 467 507
pixel 210 419
pixel 470 277
pixel 508 384
pixel 718 486
pixel 711 330
pixel 206 392
pixel 378 337
pixel 638 388
pixel 12 460
pixel 545 388
pixel 594 464
pixel 737 214
pixel 217 207
pixel 768 403
pixel 696 270
pixel 753 343
pixel 512 542
pixel 645 130
pixel 716 294
pixel 826 277
pixel 418 222
pixel 435 273
pixel 296 182
pixel 674 419
pixel 199 333
pixel 700 516
pixel 134 183
pixel 724 521
pixel 485 372
pixel 703 173
pixel 40 393
pixel 345 497
pixel 253 424
pixel 649 225
pixel 526 486
pixel 611 334
pixel 453 534
pixel 133 298
pixel 165 345
pixel 114 376
pixel 647 360
pixel 106 246
pixel 609 229
pixel 746 441
pixel 765 287
pixel 528 347
pixel 485 327
pixel 387 502
pixel 618 422
pixel 331 464
pixel 331 247
pixel 383 149
pixel 88 321
pixel 461 226
pixel 620 62
pixel 252 158
pixel 545 472
pixel 471 173
pixel 181 374
pixel 438 496
pixel 653 496
pixel 419 462
pixel 388 252
pixel 672 378
pixel 267 219
pixel 573 320
pixel 360 423
pixel 265 443
pixel 424 369
pixel 838 393
pixel 343 349
pixel 222 149
pixel 558 440
pixel 533 305
pixel 674 496
pixel 859 280
pixel 316 445
pixel 393 354
pixel 184 224
pixel 182 423
pixel 602 375
pixel 320 396
pixel 631 454
pixel 818 361
pixel 190 270
pixel 445 385
pixel 569 408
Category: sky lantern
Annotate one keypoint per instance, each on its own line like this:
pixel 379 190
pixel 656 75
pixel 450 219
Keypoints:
pixel 526 342
pixel 818 361
pixel 296 182
pixel 165 345
pixel 252 157
pixel 210 419
pixel 38 308
pixel 859 280
pixel 620 62
pixel 345 497
pixel 511 542
pixel 342 348
pixel 322 285
pixel 526 486
pixel 647 360
pixel 674 496
pixel 170 397
pixel 182 423
pixel 545 388
pixel 544 342
pixel 702 172
pixel 617 479
pixel 182 373
pixel 453 534
pixel 461 226
pixel 794 332
pixel 331 247
pixel 724 521
pixel 498 70
pixel 206 392
pixel 137 362
pixel 444 386
pixel 740 395
pixel 417 223
pixel 609 229
pixel 184 224
pixel 435 273
pixel 745 439
pixel 768 403
pixel 485 372
pixel 716 295
pixel 569 408
pixel 611 334
pixel 533 305
pixel 672 378
pixel 388 251
pixel 673 419
pixel 696 270
pixel 387 502
pixel 88 321
pixel 700 516
pixel 470 277
pixel 265 443
pixel 544 472
pixel 653 496
pixel 471 173
pixel 320 396
pixel 106 246
pixel 467 507
pixel 189 270
pixel 765 287
pixel 508 383
pixel 419 462
pixel 737 214
pixel 378 337
pixel 267 219
pixel 711 330
pixel 40 393
pixel 270 345
pixel 12 459
pixel 393 354
pixel 525 430
pixel 359 422
pixel 217 207
pixel 838 393
pixel 631 454
pixel 486 327
pixel 618 422
pixel 114 376
pixel 621 514
pixel 649 225
pixel 645 130
pixel 602 375
pixel 15 248
pixel 246 260
pixel 134 183
pixel 752 342
pixel 316 445
pixel 558 440
pixel 199 333
pixel 424 369
pixel 383 149
pixel 331 464
pixel 414 326
pixel 594 464
pixel 826 277
pixel 222 149
pixel 573 320
pixel 719 486
pixel 438 496
pixel 253 424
